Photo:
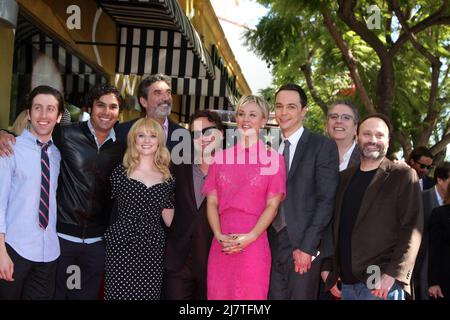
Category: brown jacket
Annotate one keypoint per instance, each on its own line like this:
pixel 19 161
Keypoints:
pixel 388 229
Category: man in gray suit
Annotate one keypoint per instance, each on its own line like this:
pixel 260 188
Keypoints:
pixel 432 198
pixel 297 235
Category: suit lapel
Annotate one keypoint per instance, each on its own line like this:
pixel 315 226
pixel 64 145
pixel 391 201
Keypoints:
pixel 299 152
pixel 374 187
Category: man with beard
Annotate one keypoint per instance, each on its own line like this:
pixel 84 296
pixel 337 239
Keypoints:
pixel 378 221
pixel 155 96
pixel 190 236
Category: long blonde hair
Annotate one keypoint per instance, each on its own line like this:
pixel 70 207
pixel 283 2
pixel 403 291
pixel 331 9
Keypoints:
pixel 161 158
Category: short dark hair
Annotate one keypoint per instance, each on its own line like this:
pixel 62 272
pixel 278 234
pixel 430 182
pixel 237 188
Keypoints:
pixel 148 81
pixel 379 116
pixel 296 88
pixel 417 153
pixel 349 104
pixel 100 90
pixel 442 171
pixel 46 90
pixel 212 116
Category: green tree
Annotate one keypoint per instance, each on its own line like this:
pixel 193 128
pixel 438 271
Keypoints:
pixel 388 56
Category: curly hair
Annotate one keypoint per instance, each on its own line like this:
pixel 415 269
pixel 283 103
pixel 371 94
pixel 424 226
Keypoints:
pixel 161 158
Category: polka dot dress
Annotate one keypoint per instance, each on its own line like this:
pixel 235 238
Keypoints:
pixel 135 242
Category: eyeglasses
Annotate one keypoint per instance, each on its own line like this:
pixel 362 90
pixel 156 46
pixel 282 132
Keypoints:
pixel 344 117
pixel 204 132
pixel 423 166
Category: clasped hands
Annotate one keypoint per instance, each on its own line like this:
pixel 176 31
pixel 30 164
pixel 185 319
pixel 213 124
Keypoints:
pixel 235 243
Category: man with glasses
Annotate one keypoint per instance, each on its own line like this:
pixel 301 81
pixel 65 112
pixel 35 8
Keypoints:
pixel 421 160
pixel 342 121
pixel 190 236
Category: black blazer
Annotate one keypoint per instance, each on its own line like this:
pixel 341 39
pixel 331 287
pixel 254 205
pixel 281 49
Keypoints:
pixel 311 187
pixel 439 249
pixel 427 182
pixel 124 128
pixel 190 231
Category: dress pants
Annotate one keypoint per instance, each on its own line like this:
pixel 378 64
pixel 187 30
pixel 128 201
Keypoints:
pixel 285 283
pixel 90 259
pixel 185 283
pixel 32 280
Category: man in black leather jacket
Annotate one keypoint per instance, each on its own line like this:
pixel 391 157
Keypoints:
pixel 90 151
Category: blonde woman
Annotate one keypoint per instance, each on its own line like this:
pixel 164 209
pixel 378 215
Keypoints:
pixel 244 187
pixel 144 190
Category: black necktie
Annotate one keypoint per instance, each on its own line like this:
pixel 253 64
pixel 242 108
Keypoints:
pixel 45 185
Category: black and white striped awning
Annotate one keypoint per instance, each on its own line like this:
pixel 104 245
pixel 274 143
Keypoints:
pixel 151 51
pixel 153 29
pixel 77 76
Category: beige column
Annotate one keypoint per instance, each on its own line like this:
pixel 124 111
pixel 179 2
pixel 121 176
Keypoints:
pixel 6 62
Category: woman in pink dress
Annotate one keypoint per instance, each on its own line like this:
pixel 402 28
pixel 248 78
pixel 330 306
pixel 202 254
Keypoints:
pixel 244 187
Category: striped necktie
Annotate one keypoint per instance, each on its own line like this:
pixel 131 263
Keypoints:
pixel 45 185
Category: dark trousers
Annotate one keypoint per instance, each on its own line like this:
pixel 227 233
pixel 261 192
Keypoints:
pixel 82 264
pixel 285 283
pixel 32 280
pixel 185 283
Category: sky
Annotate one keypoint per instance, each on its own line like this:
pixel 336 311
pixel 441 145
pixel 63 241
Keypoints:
pixel 255 71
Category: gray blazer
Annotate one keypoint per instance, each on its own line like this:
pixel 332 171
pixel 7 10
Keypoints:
pixel 311 188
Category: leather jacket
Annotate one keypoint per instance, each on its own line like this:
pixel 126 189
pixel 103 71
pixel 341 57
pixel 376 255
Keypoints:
pixel 84 194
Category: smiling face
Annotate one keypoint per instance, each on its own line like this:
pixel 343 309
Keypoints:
pixel 105 113
pixel 206 137
pixel 158 103
pixel 373 139
pixel 250 119
pixel 43 116
pixel 341 123
pixel 146 142
pixel 289 111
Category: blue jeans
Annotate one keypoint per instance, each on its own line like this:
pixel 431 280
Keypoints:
pixel 359 291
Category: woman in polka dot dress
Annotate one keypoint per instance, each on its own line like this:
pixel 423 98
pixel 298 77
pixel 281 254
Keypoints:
pixel 144 190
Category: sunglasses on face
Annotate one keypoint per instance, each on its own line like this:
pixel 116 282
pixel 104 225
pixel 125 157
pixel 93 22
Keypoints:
pixel 206 132
pixel 344 117
pixel 423 166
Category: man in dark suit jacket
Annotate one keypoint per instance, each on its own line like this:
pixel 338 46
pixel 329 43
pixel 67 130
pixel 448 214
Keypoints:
pixel 378 221
pixel 297 233
pixel 190 236
pixel 155 96
pixel 432 198
pixel 342 121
